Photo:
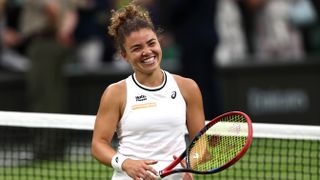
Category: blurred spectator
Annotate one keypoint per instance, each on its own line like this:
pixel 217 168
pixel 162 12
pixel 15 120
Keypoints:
pixel 232 43
pixel 305 16
pixel 94 45
pixel 315 40
pixel 13 45
pixel 2 4
pixel 274 36
pixel 49 26
pixel 193 26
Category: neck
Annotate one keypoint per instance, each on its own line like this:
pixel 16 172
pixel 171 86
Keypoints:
pixel 151 80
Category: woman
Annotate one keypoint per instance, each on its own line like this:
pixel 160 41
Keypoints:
pixel 150 110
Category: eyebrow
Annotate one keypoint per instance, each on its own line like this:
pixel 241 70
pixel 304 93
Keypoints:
pixel 152 39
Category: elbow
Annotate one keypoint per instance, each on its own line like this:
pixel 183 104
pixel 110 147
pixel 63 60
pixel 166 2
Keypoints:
pixel 94 149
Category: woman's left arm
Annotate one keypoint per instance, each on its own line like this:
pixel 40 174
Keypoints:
pixel 195 113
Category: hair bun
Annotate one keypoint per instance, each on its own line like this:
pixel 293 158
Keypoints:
pixel 126 20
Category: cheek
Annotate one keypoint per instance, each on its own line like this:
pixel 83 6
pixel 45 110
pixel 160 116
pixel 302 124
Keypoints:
pixel 158 50
pixel 133 58
pixel 160 53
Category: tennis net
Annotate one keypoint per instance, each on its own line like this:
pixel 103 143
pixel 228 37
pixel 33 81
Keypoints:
pixel 43 146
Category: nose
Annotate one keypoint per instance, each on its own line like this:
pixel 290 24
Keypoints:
pixel 146 52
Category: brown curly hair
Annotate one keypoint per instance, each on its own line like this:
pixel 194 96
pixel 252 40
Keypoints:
pixel 127 20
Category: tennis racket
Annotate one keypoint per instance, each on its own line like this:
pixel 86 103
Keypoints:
pixel 221 143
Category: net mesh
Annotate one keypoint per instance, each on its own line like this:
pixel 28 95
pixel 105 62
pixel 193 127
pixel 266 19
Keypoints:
pixel 47 146
pixel 38 146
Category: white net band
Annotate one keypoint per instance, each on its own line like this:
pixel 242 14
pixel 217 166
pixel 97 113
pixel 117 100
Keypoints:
pixel 86 122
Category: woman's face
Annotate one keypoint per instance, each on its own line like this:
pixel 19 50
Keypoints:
pixel 143 51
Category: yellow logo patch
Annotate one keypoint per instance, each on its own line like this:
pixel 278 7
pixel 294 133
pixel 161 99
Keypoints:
pixel 145 105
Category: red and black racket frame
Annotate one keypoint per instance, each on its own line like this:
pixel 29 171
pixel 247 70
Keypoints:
pixel 169 170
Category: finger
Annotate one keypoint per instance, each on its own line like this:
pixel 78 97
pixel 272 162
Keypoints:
pixel 151 170
pixel 183 162
pixel 150 176
pixel 151 162
pixel 187 176
pixel 175 157
pixel 146 175
pixel 141 176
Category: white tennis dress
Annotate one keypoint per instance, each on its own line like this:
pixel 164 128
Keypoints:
pixel 153 124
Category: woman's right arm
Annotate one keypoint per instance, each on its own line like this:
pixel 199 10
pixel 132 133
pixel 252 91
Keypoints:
pixel 109 113
pixel 107 118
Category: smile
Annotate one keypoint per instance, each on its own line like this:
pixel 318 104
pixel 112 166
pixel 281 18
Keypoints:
pixel 149 60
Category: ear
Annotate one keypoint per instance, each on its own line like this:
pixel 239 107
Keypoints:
pixel 123 54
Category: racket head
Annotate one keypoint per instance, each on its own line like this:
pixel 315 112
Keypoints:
pixel 221 143
pixel 237 124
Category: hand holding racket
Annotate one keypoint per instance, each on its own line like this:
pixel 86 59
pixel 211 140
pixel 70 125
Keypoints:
pixel 221 143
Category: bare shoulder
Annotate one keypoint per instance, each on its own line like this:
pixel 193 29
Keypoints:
pixel 115 91
pixel 117 87
pixel 185 84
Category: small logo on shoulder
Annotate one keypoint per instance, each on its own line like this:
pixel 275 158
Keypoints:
pixel 141 98
pixel 173 94
pixel 117 159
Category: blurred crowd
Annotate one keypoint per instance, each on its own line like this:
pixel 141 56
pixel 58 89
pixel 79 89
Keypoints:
pixel 268 30
pixel 77 26
pixel 41 36
pixel 285 30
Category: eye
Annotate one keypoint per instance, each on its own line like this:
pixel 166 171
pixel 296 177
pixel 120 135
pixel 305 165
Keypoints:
pixel 152 43
pixel 135 49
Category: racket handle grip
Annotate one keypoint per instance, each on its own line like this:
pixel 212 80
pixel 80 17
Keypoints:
pixel 160 173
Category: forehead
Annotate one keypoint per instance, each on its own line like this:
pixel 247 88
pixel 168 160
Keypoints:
pixel 140 36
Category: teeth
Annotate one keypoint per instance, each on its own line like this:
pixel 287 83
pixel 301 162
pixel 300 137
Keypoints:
pixel 149 60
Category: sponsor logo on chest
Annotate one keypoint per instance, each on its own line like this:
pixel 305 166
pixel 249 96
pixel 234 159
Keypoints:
pixel 141 98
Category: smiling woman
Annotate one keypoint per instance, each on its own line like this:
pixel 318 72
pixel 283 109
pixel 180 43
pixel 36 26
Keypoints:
pixel 150 108
pixel 143 51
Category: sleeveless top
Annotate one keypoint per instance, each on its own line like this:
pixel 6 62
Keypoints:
pixel 153 124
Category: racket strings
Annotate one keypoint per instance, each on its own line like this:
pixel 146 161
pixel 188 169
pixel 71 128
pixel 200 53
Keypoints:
pixel 220 144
